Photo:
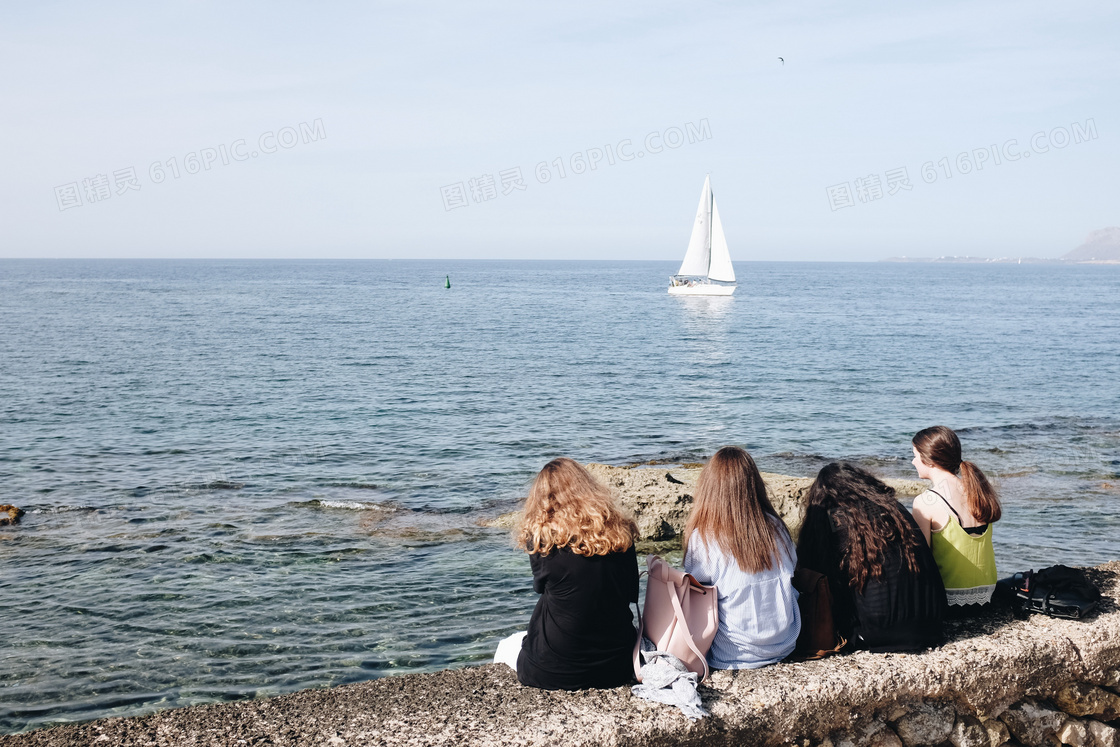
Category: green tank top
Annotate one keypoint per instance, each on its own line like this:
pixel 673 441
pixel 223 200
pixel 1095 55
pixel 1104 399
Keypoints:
pixel 967 561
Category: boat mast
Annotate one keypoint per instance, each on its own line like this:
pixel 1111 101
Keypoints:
pixel 711 201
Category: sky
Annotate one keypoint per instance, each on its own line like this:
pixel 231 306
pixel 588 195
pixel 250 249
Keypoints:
pixel 467 130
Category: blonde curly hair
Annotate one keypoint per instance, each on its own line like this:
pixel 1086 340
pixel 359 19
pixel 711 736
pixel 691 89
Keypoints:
pixel 568 507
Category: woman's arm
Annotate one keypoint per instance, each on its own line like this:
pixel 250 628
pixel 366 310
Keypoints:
pixel 814 540
pixel 928 511
pixel 632 556
pixel 818 550
pixel 540 572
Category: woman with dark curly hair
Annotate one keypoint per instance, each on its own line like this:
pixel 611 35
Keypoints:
pixel 886 590
pixel 581 549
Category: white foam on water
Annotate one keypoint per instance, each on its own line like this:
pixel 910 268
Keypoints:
pixel 354 505
pixel 61 509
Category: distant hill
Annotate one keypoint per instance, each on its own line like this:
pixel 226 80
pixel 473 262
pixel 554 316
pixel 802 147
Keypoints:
pixel 1099 245
pixel 976 260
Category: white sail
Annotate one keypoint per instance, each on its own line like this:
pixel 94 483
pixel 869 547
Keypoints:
pixel 719 267
pixel 706 270
pixel 698 256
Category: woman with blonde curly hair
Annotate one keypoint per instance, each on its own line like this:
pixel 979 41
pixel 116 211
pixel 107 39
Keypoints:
pixel 581 549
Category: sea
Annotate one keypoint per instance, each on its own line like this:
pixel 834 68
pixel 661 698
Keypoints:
pixel 244 478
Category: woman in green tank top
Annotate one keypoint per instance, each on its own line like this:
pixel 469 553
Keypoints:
pixel 956 516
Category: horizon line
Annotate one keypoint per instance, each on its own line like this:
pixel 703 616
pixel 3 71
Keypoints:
pixel 944 259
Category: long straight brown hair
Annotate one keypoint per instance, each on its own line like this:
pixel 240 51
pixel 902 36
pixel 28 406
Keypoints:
pixel 939 447
pixel 731 509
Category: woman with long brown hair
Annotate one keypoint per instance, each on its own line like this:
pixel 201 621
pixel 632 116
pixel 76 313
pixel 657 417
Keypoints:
pixel 956 517
pixel 735 541
pixel 581 549
pixel 887 594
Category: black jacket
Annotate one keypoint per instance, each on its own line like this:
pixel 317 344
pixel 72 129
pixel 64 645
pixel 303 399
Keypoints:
pixel 581 634
pixel 899 611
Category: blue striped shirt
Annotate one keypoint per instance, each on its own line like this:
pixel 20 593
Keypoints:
pixel 758 616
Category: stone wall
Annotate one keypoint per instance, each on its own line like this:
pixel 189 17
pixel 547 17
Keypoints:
pixel 997 680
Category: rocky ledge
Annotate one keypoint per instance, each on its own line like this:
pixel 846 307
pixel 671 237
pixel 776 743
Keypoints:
pixel 998 680
pixel 660 499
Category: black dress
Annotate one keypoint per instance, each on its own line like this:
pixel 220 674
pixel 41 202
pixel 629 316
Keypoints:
pixel 899 611
pixel 581 634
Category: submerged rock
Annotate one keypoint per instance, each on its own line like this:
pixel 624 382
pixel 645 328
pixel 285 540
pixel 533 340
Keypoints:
pixel 9 514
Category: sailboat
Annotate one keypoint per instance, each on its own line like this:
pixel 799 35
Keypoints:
pixel 706 269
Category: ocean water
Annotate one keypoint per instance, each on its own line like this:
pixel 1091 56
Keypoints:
pixel 248 477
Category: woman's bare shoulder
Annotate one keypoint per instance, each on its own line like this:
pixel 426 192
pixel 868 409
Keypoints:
pixel 927 498
pixel 929 503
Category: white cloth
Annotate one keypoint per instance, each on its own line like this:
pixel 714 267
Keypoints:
pixel 665 679
pixel 508 650
pixel 758 615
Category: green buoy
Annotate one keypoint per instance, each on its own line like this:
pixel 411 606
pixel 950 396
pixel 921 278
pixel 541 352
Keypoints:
pixel 448 285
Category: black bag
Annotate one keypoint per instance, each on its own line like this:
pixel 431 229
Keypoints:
pixel 1057 591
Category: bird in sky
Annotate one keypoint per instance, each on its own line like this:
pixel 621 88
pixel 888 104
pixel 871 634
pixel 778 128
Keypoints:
pixel 782 60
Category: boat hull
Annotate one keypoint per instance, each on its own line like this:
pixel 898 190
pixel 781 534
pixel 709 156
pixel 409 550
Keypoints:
pixel 703 289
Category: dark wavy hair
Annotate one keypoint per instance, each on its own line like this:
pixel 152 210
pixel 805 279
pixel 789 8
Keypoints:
pixel 872 516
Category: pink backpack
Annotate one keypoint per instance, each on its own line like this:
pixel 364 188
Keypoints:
pixel 681 617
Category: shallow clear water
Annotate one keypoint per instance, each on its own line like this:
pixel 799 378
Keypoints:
pixel 246 478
